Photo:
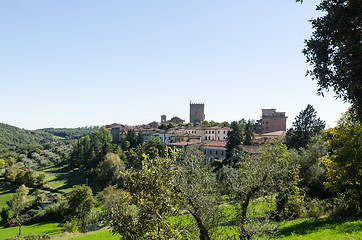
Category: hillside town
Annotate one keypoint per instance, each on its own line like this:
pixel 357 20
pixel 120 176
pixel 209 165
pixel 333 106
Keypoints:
pixel 211 140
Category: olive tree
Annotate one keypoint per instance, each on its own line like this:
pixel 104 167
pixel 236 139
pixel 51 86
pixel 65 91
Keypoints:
pixel 196 185
pixel 254 177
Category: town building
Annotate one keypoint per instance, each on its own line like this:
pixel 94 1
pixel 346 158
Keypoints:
pixel 197 114
pixel 271 121
pixel 214 149
pixel 182 145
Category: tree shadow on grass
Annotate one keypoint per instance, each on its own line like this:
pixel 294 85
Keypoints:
pixel 68 180
pixel 339 225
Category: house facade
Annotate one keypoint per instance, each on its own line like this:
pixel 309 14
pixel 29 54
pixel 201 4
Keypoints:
pixel 271 121
pixel 214 150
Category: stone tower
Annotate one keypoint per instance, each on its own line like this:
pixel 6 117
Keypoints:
pixel 197 113
pixel 163 119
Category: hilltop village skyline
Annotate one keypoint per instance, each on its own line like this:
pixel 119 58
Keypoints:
pixel 211 136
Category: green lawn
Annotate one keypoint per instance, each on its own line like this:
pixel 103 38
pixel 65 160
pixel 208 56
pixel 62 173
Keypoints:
pixel 4 197
pixel 63 178
pixel 321 229
pixel 301 229
pixel 104 234
pixel 40 228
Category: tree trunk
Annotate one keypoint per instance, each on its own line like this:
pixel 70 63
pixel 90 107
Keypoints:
pixel 204 234
pixel 244 210
pixel 19 229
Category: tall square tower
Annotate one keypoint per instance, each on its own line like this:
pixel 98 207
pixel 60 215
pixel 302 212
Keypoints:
pixel 197 113
pixel 272 121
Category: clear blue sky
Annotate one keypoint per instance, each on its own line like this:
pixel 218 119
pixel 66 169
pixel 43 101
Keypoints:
pixel 85 62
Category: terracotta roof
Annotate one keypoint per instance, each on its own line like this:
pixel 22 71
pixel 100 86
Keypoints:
pixel 276 134
pixel 182 143
pixel 215 144
pixel 250 148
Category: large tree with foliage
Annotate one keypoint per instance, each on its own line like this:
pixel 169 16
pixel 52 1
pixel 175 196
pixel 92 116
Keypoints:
pixel 234 137
pixel 254 177
pixel 196 185
pixel 151 202
pixel 335 50
pixel 249 133
pixel 344 162
pixel 108 170
pixel 88 152
pixel 305 126
pixel 311 170
pixel 80 202
pixel 17 204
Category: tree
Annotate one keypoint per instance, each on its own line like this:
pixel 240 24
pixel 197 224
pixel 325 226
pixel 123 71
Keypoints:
pixel 155 143
pixel 234 137
pixel 249 133
pixel 256 176
pixel 113 200
pixel 108 170
pixel 335 51
pixel 80 202
pixel 131 137
pixel 344 168
pixel 17 204
pixel 305 126
pixel 163 126
pixel 311 170
pixel 197 188
pixel 139 139
pixel 171 125
pixel 151 202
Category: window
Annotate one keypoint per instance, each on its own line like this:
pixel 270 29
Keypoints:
pixel 267 122
pixel 218 132
pixel 222 153
pixel 224 132
pixel 218 138
pixel 210 152
pixel 205 151
pixel 216 152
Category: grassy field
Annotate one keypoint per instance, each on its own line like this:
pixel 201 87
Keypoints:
pixel 4 197
pixel 301 229
pixel 62 178
pixel 321 229
pixel 41 228
pixel 104 234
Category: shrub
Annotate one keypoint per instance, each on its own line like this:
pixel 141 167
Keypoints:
pixel 295 207
pixel 315 208
pixel 71 226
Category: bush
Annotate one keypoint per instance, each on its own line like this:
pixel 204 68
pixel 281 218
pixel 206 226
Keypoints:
pixel 71 226
pixel 53 212
pixel 295 207
pixel 315 208
pixel 94 217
